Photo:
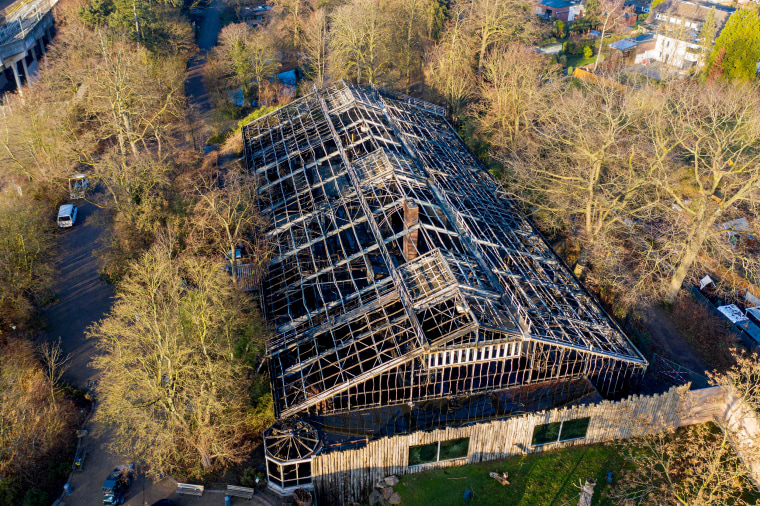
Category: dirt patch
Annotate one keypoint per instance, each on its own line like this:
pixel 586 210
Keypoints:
pixel 667 340
pixel 708 335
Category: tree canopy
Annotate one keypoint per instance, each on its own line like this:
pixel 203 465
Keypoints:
pixel 738 47
pixel 171 383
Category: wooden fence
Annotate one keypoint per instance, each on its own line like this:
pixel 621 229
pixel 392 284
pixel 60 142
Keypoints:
pixel 343 477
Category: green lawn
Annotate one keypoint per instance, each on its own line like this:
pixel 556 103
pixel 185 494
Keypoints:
pixel 541 479
pixel 579 60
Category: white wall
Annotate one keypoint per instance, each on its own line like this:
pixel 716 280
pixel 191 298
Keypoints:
pixel 576 11
pixel 672 52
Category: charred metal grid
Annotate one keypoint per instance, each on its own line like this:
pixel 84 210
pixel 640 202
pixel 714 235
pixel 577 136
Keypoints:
pixel 402 272
pixel 344 430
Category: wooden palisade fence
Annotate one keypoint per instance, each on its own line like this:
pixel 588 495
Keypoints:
pixel 343 477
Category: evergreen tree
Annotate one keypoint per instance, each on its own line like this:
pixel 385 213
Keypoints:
pixel 740 43
pixel 593 13
pixel 707 35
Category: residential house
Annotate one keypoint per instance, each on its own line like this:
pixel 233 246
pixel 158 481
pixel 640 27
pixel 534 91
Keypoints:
pixel 638 6
pixel 256 15
pixel 634 45
pixel 676 25
pixel 564 10
pixel 629 19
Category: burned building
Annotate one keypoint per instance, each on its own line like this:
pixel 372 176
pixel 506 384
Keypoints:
pixel 406 289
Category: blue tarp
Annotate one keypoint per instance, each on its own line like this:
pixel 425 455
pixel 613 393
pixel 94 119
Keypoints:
pixel 288 78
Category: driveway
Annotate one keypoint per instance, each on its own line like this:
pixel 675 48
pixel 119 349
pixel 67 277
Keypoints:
pixel 83 298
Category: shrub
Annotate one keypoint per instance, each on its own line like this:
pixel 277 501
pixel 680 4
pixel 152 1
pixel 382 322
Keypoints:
pixel 11 490
pixel 248 478
pixel 219 137
pixel 558 28
pixel 588 52
pixel 36 497
pixel 261 111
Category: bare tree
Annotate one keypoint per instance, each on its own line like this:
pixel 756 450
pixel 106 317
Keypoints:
pixel 513 93
pixel 409 35
pixel 25 245
pixel 496 22
pixel 315 42
pixel 129 182
pixel 56 364
pixel 743 378
pixel 581 169
pixel 294 13
pixel 704 156
pixel 227 218
pixel 449 67
pixel 612 12
pixel 37 138
pixel 171 385
pixel 248 57
pixel 359 41
pixel 660 174
pixel 696 465
pixel 32 426
pixel 129 100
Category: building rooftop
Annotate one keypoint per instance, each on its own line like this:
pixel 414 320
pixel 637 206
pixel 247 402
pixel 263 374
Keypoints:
pixel 694 11
pixel 630 43
pixel 398 258
pixel 21 18
pixel 559 4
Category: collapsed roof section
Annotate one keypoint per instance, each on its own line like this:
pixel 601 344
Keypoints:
pixel 398 259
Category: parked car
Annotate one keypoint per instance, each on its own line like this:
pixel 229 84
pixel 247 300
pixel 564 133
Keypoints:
pixel 116 485
pixel 67 215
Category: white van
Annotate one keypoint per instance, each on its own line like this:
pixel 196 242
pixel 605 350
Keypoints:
pixel 67 215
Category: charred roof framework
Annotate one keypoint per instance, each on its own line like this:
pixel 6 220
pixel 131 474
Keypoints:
pixel 402 271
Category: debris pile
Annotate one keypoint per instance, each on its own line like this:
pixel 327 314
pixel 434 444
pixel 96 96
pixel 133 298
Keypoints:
pixel 383 492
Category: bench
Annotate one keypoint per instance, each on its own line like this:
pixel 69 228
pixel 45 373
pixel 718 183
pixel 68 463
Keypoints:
pixel 235 491
pixel 78 464
pixel 187 488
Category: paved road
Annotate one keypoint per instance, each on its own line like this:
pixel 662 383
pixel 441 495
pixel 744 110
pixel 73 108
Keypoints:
pixel 195 87
pixel 83 298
